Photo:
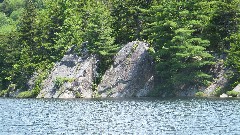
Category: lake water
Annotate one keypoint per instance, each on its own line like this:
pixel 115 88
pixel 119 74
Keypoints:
pixel 190 116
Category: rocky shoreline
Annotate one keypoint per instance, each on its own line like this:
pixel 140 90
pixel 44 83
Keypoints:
pixel 130 75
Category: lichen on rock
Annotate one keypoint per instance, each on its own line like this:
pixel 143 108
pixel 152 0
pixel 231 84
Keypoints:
pixel 131 73
pixel 72 76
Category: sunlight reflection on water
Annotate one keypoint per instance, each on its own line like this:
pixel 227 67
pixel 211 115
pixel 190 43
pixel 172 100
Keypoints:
pixel 120 116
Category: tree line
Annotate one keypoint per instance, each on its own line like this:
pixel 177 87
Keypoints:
pixel 185 36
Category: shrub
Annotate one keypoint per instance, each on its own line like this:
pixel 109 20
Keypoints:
pixel 232 93
pixel 217 92
pixel 26 94
pixel 3 93
pixel 200 94
pixel 36 89
pixel 96 95
pixel 78 94
pixel 61 80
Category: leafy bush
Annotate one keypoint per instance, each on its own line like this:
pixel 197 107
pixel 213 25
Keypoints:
pixel 61 80
pixel 232 93
pixel 96 95
pixel 151 51
pixel 26 94
pixel 37 87
pixel 200 94
pixel 217 92
pixel 78 94
pixel 3 92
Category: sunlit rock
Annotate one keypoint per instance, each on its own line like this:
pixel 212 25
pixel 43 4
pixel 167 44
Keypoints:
pixel 223 95
pixel 237 88
pixel 70 78
pixel 131 73
pixel 220 80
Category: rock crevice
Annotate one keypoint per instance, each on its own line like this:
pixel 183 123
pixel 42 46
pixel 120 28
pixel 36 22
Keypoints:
pixel 131 74
pixel 70 78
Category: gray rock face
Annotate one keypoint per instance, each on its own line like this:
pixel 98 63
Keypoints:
pixel 220 79
pixel 71 77
pixel 223 95
pixel 237 88
pixel 131 74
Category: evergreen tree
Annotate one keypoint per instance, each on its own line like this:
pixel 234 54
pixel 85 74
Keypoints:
pixel 128 19
pixel 180 50
pixel 9 55
pixel 98 32
pixel 233 58
pixel 222 23
pixel 49 26
pixel 25 66
pixel 182 34
pixel 73 26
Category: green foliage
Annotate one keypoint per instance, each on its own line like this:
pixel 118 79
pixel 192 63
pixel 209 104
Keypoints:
pixel 128 19
pixel 99 34
pixel 181 53
pixel 200 94
pixel 78 94
pixel 183 36
pixel 4 93
pixel 9 53
pixel 59 81
pixel 26 94
pixel 36 88
pixel 25 65
pixel 222 24
pixel 96 95
pixel 232 93
pixel 38 82
pixel 233 39
pixel 7 25
pixel 233 59
pixel 9 6
pixel 217 92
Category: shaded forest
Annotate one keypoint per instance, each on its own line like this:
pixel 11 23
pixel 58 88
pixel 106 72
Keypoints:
pixel 186 37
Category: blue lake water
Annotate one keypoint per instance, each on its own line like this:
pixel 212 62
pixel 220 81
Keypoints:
pixel 190 116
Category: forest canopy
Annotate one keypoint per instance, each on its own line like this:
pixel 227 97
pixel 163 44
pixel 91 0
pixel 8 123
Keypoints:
pixel 186 37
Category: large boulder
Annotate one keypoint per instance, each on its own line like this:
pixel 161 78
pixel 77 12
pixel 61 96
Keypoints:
pixel 237 88
pixel 70 78
pixel 220 80
pixel 131 73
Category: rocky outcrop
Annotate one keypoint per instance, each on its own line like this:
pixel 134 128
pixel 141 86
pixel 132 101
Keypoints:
pixel 237 88
pixel 131 73
pixel 220 79
pixel 223 95
pixel 71 77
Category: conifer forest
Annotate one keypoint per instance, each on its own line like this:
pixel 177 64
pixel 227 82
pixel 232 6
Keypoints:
pixel 186 38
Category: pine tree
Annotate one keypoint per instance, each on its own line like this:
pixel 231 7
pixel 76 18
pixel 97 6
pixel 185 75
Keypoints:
pixel 180 50
pixel 9 55
pixel 98 32
pixel 219 16
pixel 48 30
pixel 128 19
pixel 25 66
pixel 73 25
pixel 233 58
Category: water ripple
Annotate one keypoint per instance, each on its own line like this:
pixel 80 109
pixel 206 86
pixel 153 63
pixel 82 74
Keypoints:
pixel 120 116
